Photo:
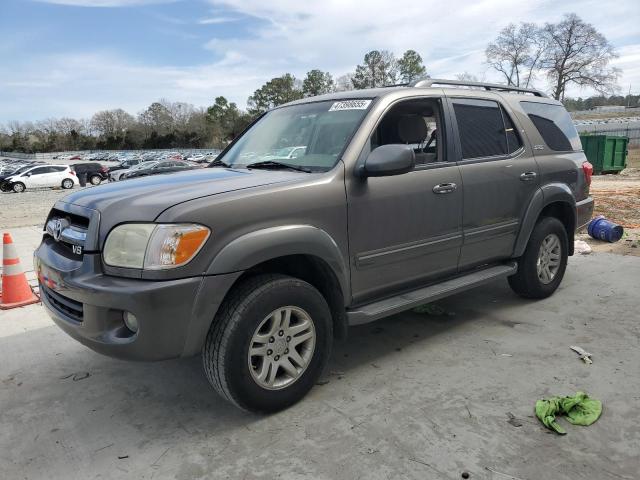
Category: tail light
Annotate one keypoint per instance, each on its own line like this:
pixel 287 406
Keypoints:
pixel 72 172
pixel 104 169
pixel 587 168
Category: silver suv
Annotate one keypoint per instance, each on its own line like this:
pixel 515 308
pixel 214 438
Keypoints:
pixel 395 197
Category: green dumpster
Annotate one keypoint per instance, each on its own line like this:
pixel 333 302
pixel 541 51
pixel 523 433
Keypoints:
pixel 607 154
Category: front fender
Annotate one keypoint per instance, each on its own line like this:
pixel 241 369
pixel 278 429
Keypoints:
pixel 260 246
pixel 547 194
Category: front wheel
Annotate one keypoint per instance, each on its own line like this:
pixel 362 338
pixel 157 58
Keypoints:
pixel 67 183
pixel 541 268
pixel 269 343
pixel 18 187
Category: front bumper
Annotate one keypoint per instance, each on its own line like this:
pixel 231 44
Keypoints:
pixel 173 316
pixel 584 212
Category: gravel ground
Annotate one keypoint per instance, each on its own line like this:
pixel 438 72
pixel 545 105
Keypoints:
pixel 409 397
pixel 28 208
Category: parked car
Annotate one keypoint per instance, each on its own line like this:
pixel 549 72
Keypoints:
pixel 95 172
pixel 42 176
pixel 404 195
pixel 158 168
pixel 118 170
pixel 287 153
pixel 141 166
pixel 4 184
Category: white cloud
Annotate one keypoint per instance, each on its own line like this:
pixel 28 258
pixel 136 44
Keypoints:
pixel 105 3
pixel 334 35
pixel 216 20
pixel 295 36
pixel 78 85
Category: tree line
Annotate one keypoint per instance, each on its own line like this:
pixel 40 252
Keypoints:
pixel 570 52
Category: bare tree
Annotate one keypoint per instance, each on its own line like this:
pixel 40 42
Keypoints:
pixel 576 53
pixel 111 123
pixel 516 53
pixel 467 77
pixel 378 69
pixel 344 83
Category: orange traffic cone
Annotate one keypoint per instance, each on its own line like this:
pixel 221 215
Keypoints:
pixel 16 292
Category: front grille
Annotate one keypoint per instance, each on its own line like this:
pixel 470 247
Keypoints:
pixel 63 304
pixel 69 230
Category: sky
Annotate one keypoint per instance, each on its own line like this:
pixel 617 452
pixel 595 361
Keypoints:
pixel 71 58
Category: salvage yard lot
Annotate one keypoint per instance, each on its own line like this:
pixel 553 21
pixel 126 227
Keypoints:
pixel 414 396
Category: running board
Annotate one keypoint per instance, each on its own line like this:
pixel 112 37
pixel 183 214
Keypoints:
pixel 406 301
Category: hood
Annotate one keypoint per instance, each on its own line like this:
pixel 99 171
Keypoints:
pixel 146 197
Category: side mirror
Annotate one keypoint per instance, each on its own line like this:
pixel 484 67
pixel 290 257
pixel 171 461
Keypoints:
pixel 388 160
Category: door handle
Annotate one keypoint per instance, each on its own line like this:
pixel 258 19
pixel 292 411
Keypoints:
pixel 445 188
pixel 528 176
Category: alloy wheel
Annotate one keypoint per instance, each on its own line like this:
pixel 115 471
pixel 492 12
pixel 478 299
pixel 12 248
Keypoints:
pixel 549 257
pixel 281 348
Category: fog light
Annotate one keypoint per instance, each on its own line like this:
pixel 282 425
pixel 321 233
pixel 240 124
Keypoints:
pixel 130 321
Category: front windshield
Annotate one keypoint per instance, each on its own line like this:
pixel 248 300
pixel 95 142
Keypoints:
pixel 144 165
pixel 22 169
pixel 309 135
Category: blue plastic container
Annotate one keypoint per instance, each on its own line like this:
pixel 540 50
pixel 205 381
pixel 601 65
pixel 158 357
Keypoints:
pixel 602 229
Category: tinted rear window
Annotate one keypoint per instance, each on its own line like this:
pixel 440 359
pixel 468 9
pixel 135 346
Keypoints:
pixel 554 124
pixel 481 128
pixel 485 129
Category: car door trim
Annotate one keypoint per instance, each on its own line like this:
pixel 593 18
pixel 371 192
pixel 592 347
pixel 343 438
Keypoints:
pixel 417 248
pixel 478 234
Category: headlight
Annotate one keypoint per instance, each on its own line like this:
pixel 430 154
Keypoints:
pixel 154 246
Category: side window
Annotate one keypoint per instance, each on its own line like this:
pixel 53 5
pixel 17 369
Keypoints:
pixel 39 171
pixel 481 128
pixel 415 123
pixel 58 169
pixel 554 124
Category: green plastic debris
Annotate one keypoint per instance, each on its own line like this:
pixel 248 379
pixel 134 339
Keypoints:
pixel 579 410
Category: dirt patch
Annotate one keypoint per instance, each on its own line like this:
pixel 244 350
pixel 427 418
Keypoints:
pixel 617 197
pixel 628 245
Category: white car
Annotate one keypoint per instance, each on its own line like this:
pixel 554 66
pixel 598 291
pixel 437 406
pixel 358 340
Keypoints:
pixel 43 176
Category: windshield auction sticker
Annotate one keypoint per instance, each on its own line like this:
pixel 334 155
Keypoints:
pixel 350 105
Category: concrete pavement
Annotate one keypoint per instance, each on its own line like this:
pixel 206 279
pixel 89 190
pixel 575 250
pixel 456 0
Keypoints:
pixel 409 397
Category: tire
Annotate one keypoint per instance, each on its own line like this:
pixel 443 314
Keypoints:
pixel 95 180
pixel 18 187
pixel 67 183
pixel 242 318
pixel 532 282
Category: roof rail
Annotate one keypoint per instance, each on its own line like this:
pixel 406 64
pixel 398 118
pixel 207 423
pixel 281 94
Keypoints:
pixel 431 82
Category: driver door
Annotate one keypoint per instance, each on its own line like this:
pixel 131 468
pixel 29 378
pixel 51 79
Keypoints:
pixel 405 230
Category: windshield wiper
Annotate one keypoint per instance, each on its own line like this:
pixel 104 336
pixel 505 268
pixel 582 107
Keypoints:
pixel 275 165
pixel 218 163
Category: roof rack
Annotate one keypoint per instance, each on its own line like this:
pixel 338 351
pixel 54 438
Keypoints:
pixel 431 82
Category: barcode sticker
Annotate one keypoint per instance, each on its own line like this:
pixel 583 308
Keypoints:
pixel 350 105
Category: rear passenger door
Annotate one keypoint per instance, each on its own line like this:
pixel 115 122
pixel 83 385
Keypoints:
pixel 55 176
pixel 499 178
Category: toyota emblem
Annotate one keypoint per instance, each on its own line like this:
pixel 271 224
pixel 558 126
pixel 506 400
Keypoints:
pixel 57 230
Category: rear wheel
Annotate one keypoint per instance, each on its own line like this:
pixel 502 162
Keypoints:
pixel 95 180
pixel 269 343
pixel 542 267
pixel 67 183
pixel 18 187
